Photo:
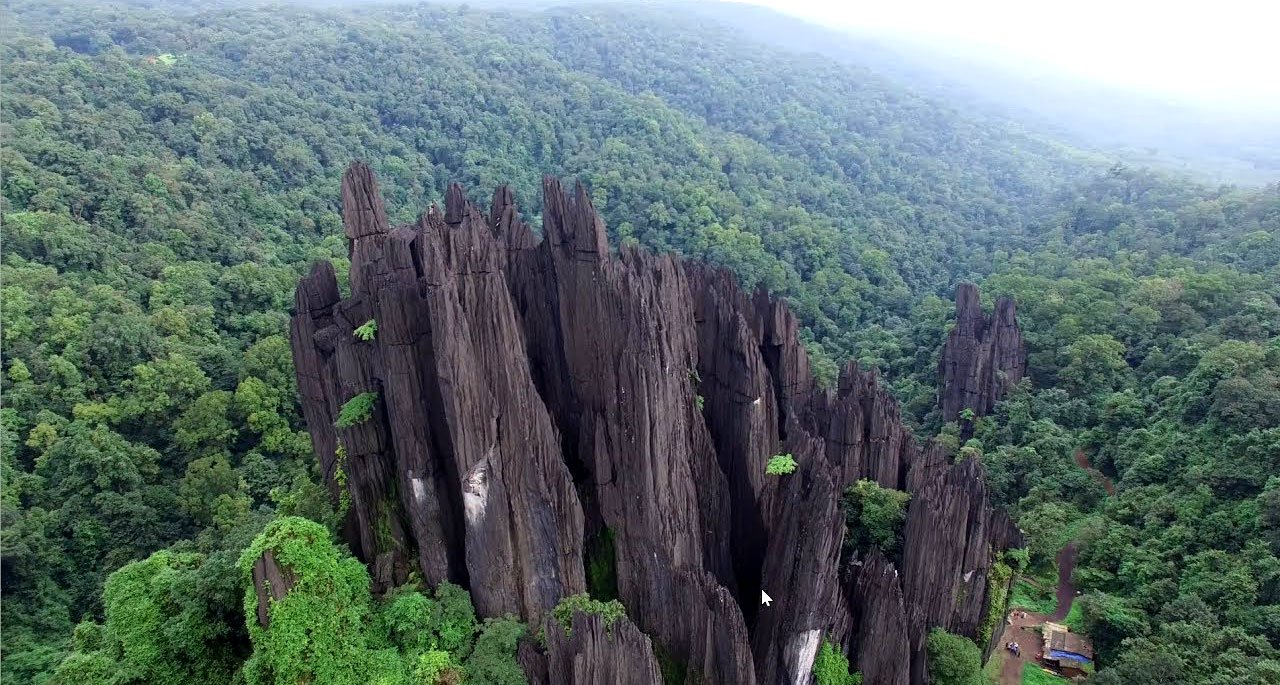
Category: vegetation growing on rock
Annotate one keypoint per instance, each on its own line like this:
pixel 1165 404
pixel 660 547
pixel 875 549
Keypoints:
pixel 780 465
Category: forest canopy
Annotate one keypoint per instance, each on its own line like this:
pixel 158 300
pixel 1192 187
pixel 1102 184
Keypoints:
pixel 169 173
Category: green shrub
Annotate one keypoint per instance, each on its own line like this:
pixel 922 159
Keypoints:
pixel 780 465
pixel 319 632
pixel 456 626
pixel 832 668
pixel 493 660
pixel 875 517
pixel 367 331
pixel 434 666
pixel 953 660
pixel 997 590
pixel 409 618
pixel 611 610
pixel 357 410
pixel 1017 558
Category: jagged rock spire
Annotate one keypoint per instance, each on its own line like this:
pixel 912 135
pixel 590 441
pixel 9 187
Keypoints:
pixel 983 358
pixel 363 213
pixel 538 397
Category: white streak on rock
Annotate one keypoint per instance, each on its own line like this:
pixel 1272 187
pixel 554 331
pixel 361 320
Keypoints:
pixel 805 648
pixel 475 492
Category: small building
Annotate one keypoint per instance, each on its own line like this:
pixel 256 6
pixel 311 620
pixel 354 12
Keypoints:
pixel 1069 651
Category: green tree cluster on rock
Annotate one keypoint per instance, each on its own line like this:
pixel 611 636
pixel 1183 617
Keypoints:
pixel 831 667
pixel 610 611
pixel 875 517
pixel 173 617
pixel 328 628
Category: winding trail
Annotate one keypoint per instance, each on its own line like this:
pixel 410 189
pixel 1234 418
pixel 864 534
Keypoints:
pixel 1082 460
pixel 1020 625
pixel 1066 592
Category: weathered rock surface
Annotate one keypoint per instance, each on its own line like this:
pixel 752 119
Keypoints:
pixel 460 468
pixel 880 614
pixel 951 533
pixel 596 654
pixel 800 572
pixel 983 358
pixel 272 583
pixel 536 394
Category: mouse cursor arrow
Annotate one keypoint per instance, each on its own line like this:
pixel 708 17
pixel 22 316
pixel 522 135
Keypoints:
pixel 765 599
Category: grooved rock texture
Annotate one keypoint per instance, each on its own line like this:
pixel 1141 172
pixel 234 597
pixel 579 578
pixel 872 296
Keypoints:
pixel 983 358
pixel 949 529
pixel 272 584
pixel 593 654
pixel 534 394
pixel 880 613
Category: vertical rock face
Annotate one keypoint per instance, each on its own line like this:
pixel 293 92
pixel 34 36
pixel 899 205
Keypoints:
pixel 593 653
pixel 533 393
pixel 948 555
pixel 459 469
pixel 800 571
pixel 880 613
pixel 983 358
pixel 865 435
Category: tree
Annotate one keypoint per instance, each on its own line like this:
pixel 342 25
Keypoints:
pixel 1094 363
pixel 1108 620
pixel 210 487
pixel 165 623
pixel 831 667
pixel 875 516
pixel 319 632
pixel 492 660
pixel 953 660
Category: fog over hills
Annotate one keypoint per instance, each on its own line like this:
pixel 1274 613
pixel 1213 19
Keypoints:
pixel 1227 133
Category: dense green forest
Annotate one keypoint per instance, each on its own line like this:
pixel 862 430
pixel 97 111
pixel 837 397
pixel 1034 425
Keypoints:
pixel 169 173
pixel 1206 140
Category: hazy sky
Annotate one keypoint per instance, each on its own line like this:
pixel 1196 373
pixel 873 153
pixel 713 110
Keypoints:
pixel 1206 50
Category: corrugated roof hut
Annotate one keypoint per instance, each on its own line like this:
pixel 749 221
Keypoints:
pixel 1069 651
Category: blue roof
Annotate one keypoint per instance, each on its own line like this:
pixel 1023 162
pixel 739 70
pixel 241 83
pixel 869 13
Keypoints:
pixel 1069 656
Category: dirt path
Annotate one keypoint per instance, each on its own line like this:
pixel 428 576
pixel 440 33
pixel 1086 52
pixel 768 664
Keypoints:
pixel 1020 626
pixel 1066 592
pixel 1082 460
pixel 1021 631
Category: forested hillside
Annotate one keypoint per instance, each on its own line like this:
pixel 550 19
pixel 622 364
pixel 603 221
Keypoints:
pixel 169 175
pixel 1205 140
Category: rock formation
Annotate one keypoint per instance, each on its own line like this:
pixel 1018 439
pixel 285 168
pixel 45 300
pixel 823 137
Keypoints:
pixel 272 583
pixel 536 395
pixel 592 653
pixel 983 358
